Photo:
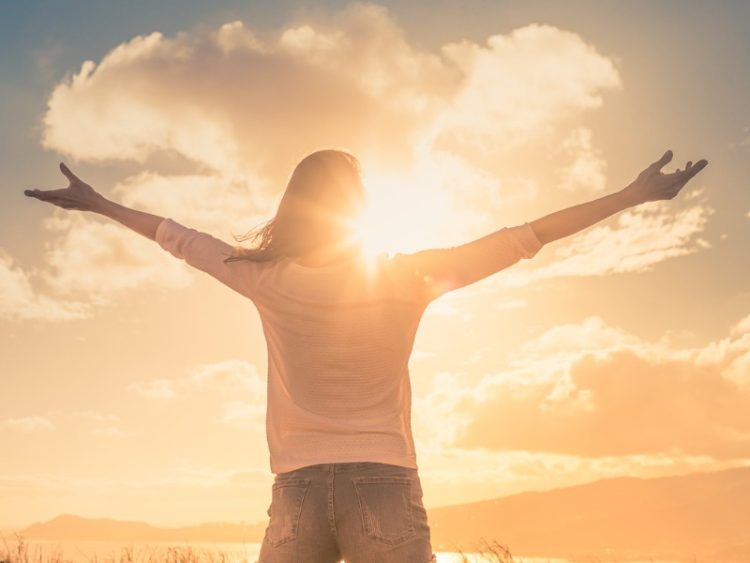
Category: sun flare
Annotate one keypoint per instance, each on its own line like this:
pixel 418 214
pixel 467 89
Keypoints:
pixel 395 219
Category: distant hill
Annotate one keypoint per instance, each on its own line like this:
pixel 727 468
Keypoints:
pixel 701 516
pixel 70 527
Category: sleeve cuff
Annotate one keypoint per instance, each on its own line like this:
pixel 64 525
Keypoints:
pixel 167 234
pixel 528 240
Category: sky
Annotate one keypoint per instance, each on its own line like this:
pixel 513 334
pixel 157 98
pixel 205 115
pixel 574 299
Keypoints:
pixel 132 387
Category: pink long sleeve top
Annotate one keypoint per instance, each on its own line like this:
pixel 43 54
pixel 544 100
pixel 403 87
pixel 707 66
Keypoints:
pixel 339 338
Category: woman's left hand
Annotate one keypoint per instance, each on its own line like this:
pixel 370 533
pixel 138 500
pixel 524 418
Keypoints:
pixel 653 185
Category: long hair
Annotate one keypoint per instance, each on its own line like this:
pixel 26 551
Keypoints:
pixel 324 192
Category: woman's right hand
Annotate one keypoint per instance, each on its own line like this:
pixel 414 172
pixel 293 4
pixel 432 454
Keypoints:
pixel 78 194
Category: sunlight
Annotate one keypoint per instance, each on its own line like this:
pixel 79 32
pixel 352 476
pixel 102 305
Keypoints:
pixel 402 214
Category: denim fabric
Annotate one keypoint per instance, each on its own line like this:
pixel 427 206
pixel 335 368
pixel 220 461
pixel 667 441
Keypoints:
pixel 361 512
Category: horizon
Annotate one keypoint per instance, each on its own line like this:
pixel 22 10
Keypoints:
pixel 132 384
pixel 562 534
pixel 19 527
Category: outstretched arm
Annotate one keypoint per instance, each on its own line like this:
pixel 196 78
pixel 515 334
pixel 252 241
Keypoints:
pixel 198 249
pixel 80 195
pixel 437 271
pixel 650 185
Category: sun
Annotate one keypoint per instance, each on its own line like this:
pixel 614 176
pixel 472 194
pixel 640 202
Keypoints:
pixel 397 218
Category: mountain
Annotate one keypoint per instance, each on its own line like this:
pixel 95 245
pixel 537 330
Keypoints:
pixel 700 516
pixel 70 527
pixel 703 516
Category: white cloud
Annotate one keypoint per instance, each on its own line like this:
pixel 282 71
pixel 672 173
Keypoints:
pixel 586 171
pixel 28 423
pixel 742 327
pixel 521 84
pixel 636 241
pixel 19 300
pixel 245 414
pixel 212 203
pixel 452 475
pixel 226 377
pixel 227 380
pixel 361 81
pixel 436 119
pixel 435 416
pixel 236 378
pixel 100 258
pixel 367 88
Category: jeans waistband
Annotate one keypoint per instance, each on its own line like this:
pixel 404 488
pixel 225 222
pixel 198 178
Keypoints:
pixel 345 466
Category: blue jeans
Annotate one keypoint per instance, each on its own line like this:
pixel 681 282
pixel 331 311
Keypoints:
pixel 362 512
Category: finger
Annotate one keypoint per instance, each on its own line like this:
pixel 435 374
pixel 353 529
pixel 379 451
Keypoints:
pixel 46 193
pixel 666 157
pixel 68 174
pixel 694 169
pixel 37 194
pixel 697 167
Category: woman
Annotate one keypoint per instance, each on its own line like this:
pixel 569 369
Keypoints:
pixel 339 333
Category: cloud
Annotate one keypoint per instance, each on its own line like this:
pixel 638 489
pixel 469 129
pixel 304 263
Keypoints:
pixel 233 378
pixel 229 376
pixel 446 480
pixel 586 171
pixel 209 202
pixel 452 132
pixel 251 415
pixel 226 377
pixel 28 423
pixel 226 380
pixel 19 300
pixel 100 258
pixel 366 87
pixel 228 101
pixel 635 241
pixel 594 391
pixel 521 84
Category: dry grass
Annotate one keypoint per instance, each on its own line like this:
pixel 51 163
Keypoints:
pixel 22 552
pixel 493 552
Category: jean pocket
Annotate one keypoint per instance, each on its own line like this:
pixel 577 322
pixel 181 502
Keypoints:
pixel 287 496
pixel 385 507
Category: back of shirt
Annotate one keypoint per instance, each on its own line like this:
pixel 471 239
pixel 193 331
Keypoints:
pixel 339 338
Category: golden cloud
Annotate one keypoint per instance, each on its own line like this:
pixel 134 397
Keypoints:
pixel 594 391
pixel 446 132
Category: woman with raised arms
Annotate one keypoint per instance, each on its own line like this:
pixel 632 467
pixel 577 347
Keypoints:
pixel 339 332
